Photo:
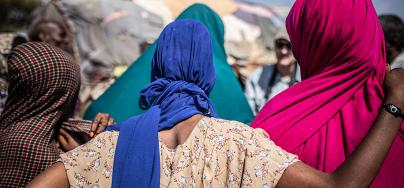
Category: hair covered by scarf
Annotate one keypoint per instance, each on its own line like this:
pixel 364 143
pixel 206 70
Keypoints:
pixel 122 98
pixel 183 75
pixel 44 83
pixel 339 45
pixel 340 48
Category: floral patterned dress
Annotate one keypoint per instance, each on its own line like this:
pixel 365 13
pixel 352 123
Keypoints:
pixel 218 153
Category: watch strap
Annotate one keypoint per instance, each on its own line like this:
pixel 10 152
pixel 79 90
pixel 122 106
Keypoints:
pixel 393 109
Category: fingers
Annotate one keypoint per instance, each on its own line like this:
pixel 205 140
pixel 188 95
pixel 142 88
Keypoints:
pixel 95 123
pixel 100 129
pixel 62 141
pixel 111 121
pixel 104 120
pixel 398 75
pixel 63 133
pixel 92 134
pixel 99 123
pixel 104 124
pixel 66 141
pixel 387 77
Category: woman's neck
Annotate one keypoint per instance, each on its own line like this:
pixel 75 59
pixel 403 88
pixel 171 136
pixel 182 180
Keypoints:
pixel 178 134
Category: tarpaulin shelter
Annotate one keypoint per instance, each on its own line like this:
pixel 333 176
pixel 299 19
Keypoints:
pixel 108 33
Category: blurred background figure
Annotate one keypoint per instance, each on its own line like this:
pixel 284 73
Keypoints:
pixel 267 81
pixel 393 28
pixel 3 82
pixel 5 48
pixel 121 100
pixel 51 32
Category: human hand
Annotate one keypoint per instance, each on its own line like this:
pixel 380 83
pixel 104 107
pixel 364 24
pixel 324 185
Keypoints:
pixel 66 141
pixel 394 87
pixel 100 122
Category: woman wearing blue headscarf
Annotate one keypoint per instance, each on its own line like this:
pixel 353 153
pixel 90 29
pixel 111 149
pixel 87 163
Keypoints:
pixel 179 142
pixel 121 99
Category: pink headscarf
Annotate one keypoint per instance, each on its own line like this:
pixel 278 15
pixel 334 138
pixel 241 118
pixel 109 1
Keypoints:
pixel 339 45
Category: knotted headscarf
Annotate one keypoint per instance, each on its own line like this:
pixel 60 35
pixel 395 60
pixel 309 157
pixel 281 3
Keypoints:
pixel 183 75
pixel 122 98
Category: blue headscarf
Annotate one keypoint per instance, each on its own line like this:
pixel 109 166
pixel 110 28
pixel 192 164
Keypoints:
pixel 183 75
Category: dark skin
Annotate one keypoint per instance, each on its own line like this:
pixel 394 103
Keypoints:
pixel 67 141
pixel 100 122
pixel 364 163
pixel 362 166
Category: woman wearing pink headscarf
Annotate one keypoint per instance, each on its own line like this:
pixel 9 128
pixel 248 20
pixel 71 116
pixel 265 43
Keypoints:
pixel 339 45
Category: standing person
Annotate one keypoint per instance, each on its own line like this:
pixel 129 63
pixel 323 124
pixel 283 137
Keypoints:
pixel 268 81
pixel 121 99
pixel 393 28
pixel 180 142
pixel 43 87
pixel 339 46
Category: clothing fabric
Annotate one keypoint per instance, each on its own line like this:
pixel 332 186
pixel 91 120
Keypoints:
pixel 217 153
pixel 398 61
pixel 323 118
pixel 3 82
pixel 182 77
pixel 342 59
pixel 121 99
pixel 265 83
pixel 103 34
pixel 80 129
pixel 44 83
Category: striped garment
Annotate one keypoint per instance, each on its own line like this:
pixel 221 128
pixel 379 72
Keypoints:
pixel 78 128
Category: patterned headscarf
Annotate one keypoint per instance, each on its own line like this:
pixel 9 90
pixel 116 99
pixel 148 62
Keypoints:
pixel 43 87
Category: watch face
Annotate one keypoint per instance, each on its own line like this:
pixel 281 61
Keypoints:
pixel 393 109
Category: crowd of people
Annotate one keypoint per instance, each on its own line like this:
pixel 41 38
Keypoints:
pixel 328 113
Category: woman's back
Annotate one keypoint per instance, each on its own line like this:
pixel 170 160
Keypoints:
pixel 217 152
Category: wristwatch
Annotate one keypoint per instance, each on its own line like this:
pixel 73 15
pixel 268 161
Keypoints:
pixel 393 109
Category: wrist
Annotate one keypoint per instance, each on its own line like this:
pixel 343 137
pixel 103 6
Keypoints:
pixel 395 100
pixel 394 106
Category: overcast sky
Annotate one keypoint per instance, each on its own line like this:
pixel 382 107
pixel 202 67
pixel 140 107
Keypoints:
pixel 382 6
